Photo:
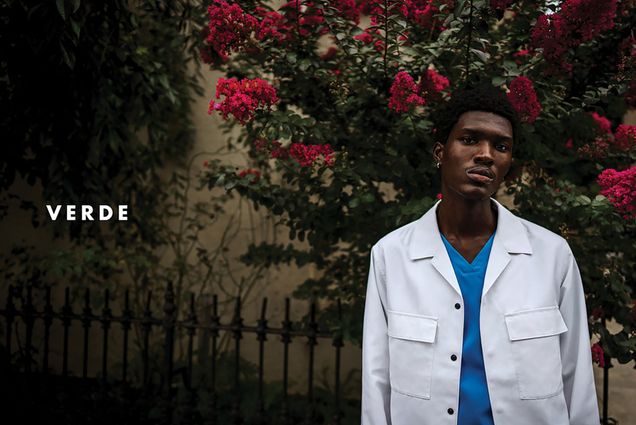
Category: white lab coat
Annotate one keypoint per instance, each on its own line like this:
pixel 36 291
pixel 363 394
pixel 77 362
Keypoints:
pixel 533 323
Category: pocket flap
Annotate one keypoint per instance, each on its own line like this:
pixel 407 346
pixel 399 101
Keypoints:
pixel 412 327
pixel 536 323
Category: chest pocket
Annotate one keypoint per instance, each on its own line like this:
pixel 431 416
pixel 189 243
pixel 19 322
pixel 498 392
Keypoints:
pixel 534 338
pixel 411 353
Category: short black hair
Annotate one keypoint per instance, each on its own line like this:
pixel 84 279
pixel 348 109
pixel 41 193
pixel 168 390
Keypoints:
pixel 483 97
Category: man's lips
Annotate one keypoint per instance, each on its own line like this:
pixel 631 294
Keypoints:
pixel 480 174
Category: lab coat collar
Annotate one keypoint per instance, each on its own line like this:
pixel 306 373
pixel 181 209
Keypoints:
pixel 510 238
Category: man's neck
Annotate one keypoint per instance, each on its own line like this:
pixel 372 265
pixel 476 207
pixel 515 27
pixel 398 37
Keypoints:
pixel 463 219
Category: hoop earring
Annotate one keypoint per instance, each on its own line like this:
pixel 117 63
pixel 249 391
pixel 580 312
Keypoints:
pixel 437 164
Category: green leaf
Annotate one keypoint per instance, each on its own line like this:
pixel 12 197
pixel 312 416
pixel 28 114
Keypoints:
pixel 60 8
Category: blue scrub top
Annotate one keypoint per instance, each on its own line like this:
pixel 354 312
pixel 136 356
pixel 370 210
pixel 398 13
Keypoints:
pixel 474 401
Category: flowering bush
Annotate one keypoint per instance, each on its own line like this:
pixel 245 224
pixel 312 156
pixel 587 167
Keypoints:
pixel 342 137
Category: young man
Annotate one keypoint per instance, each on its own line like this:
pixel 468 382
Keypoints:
pixel 474 315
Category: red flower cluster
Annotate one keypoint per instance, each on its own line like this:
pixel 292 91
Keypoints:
pixel 404 93
pixel 278 151
pixel 620 188
pixel 524 99
pixel 625 137
pixel 229 27
pixel 242 98
pixel 255 174
pixel 371 35
pixel 604 125
pixel 598 356
pixel 308 155
pixel 348 8
pixel 272 25
pixel 578 21
pixel 422 13
pixel 432 84
pixel 310 17
pixel 500 4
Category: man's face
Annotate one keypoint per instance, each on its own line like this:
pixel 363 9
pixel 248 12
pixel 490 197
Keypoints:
pixel 476 156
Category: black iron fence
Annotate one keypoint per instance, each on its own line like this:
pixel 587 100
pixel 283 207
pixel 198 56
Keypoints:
pixel 177 397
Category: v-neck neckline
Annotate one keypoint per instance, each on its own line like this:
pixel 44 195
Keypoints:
pixel 481 251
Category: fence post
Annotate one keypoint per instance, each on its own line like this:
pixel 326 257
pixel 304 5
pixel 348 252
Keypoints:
pixel 169 319
pixel 48 320
pixel 237 325
pixel 261 335
pixel 312 341
pixel 107 317
pixel 337 342
pixel 146 325
pixel 191 327
pixel 10 312
pixel 214 333
pixel 86 324
pixel 67 316
pixel 286 338
pixel 29 319
pixel 126 323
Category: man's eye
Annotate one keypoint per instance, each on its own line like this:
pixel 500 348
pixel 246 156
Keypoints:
pixel 468 139
pixel 503 148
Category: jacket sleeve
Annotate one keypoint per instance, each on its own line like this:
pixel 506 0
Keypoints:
pixel 375 349
pixel 578 378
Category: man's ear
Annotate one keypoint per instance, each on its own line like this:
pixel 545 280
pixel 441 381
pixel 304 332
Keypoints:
pixel 438 148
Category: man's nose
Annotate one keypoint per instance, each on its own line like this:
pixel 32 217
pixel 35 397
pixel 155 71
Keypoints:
pixel 484 152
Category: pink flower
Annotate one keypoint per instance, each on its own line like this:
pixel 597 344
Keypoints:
pixel 524 99
pixel 310 18
pixel 432 84
pixel 308 155
pixel 625 137
pixel 255 174
pixel 569 144
pixel 577 22
pixel 272 25
pixel 521 53
pixel 404 93
pixel 585 19
pixel 619 187
pixel 229 27
pixel 500 4
pixel 364 37
pixel 596 149
pixel 548 34
pixel 369 36
pixel 604 125
pixel 438 196
pixel 598 356
pixel 260 144
pixel 421 12
pixel 348 8
pixel 242 98
pixel 278 151
pixel 598 313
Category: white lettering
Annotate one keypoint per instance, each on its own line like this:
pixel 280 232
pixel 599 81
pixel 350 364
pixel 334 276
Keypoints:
pixel 87 213
pixel 53 213
pixel 102 209
pixel 123 213
pixel 70 212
